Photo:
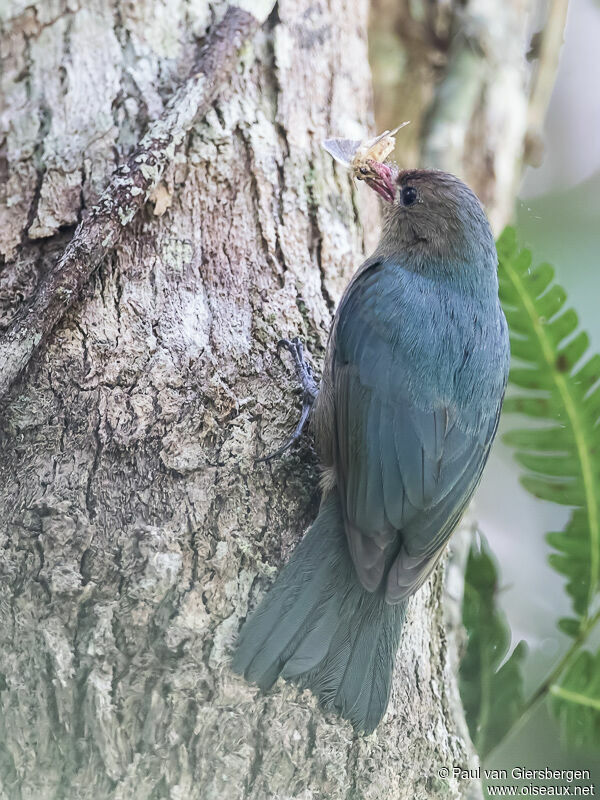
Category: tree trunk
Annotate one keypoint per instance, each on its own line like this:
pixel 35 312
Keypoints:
pixel 137 530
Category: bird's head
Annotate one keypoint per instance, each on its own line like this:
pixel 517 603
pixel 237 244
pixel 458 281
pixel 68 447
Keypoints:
pixel 431 216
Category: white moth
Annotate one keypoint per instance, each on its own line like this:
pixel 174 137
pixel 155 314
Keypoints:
pixel 355 155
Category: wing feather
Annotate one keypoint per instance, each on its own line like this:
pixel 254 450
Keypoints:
pixel 405 473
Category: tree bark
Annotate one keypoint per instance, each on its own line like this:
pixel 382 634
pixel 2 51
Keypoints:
pixel 137 530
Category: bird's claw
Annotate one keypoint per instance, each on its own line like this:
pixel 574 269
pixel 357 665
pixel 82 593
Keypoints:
pixel 304 371
pixel 310 390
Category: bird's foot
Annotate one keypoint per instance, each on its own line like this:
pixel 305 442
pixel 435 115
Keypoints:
pixel 310 390
pixel 304 371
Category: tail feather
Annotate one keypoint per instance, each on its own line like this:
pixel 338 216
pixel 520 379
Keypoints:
pixel 279 627
pixel 291 601
pixel 319 627
pixel 375 691
pixel 361 657
pixel 314 646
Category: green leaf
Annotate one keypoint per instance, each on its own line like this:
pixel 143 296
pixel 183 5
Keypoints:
pixel 575 701
pixel 555 382
pixel 572 559
pixel 541 440
pixel 569 626
pixel 491 687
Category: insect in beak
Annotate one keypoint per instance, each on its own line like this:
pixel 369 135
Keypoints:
pixel 365 160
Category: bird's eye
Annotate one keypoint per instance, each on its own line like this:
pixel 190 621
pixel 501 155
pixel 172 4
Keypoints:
pixel 409 195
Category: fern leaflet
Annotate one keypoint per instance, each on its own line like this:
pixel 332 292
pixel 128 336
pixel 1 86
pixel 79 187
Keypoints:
pixel 557 385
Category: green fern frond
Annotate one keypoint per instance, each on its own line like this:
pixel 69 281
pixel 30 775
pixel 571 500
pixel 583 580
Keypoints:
pixel 576 700
pixel 557 385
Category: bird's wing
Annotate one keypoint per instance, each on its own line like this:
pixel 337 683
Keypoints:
pixel 404 474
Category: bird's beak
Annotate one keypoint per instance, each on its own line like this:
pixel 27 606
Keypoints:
pixel 381 178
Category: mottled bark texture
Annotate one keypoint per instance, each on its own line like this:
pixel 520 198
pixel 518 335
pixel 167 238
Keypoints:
pixel 132 184
pixel 136 529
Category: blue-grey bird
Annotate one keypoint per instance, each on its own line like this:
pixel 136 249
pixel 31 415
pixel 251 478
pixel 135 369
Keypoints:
pixel 412 387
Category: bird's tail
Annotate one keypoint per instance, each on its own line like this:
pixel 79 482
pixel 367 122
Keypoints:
pixel 318 627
